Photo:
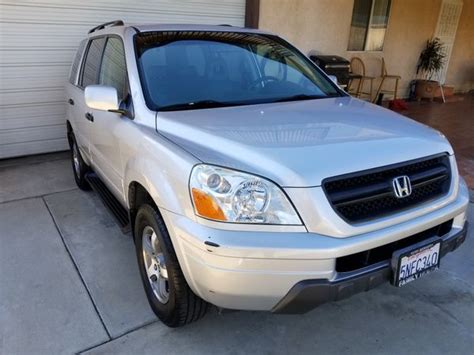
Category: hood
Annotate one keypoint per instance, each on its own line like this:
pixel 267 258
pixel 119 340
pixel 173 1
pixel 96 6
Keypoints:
pixel 298 144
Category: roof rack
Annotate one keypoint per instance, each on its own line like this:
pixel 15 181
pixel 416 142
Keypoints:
pixel 107 24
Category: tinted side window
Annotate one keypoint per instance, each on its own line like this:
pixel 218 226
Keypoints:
pixel 113 71
pixel 90 72
pixel 77 62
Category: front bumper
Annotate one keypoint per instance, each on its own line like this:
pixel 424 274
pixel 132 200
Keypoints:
pixel 307 294
pixel 280 271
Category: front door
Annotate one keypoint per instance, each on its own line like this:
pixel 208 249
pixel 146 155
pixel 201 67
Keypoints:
pixel 88 76
pixel 105 147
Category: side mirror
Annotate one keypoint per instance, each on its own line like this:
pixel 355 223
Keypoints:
pixel 333 78
pixel 101 97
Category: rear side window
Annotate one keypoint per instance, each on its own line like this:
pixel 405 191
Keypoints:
pixel 113 71
pixel 77 62
pixel 90 71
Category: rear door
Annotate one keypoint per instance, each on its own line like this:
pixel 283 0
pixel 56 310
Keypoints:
pixel 89 75
pixel 74 116
pixel 104 144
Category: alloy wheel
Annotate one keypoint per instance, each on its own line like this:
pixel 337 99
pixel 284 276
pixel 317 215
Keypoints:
pixel 155 266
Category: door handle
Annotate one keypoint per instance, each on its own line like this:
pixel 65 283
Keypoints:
pixel 71 102
pixel 89 116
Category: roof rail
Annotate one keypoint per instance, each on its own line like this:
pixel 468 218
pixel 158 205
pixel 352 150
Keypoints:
pixel 107 24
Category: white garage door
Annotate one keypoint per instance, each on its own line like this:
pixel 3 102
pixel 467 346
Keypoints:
pixel 38 39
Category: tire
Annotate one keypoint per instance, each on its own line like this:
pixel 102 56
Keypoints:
pixel 79 167
pixel 179 305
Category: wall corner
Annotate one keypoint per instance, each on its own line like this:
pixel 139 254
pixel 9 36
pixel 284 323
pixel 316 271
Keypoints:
pixel 252 13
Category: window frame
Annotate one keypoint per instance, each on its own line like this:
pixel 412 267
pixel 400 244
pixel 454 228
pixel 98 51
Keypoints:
pixel 368 27
pixel 81 49
pixel 84 58
pixel 107 37
pixel 83 61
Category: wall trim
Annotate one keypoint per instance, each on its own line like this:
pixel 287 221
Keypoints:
pixel 252 13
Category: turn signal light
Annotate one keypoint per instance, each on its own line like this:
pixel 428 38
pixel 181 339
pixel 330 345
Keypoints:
pixel 206 206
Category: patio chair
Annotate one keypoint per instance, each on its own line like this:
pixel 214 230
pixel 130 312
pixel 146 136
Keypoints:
pixel 385 77
pixel 358 75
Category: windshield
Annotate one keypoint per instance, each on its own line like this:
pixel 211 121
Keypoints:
pixel 191 70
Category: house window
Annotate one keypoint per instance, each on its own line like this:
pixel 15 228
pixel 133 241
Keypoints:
pixel 369 24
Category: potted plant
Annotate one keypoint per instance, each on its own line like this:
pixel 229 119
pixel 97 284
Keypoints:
pixel 430 62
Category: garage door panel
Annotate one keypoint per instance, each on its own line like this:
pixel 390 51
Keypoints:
pixel 90 14
pixel 12 136
pixel 30 57
pixel 31 111
pixel 124 5
pixel 31 96
pixel 35 147
pixel 89 11
pixel 43 42
pixel 32 121
pixel 38 40
pixel 20 26
pixel 43 36
pixel 34 77
pixel 33 84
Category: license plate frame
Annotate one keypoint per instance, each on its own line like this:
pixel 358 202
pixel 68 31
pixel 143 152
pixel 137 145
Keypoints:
pixel 403 256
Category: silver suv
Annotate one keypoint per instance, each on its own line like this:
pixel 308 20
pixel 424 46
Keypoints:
pixel 248 178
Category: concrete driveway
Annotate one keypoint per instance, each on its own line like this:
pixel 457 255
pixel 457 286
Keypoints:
pixel 69 283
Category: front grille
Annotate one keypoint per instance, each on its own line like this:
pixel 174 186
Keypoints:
pixel 369 257
pixel 369 194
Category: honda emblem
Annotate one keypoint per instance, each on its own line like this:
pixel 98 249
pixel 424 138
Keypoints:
pixel 401 186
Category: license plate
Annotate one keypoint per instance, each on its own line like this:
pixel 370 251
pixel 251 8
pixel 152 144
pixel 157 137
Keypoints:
pixel 413 262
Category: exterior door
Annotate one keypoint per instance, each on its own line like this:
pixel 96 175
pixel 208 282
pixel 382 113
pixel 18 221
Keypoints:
pixel 89 74
pixel 105 147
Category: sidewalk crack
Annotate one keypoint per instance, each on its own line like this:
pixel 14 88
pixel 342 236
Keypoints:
pixel 145 325
pixel 77 269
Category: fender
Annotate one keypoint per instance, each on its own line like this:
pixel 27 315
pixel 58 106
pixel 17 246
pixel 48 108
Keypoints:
pixel 162 168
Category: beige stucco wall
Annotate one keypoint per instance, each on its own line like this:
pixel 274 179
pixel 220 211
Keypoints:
pixel 461 65
pixel 324 25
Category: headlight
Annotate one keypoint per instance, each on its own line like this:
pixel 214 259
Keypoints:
pixel 231 196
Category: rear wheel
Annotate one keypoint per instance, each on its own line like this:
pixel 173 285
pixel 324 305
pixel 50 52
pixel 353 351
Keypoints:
pixel 79 167
pixel 170 297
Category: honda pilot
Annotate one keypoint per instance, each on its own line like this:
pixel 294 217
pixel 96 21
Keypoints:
pixel 248 179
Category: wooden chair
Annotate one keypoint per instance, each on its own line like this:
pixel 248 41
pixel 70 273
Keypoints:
pixel 385 77
pixel 358 75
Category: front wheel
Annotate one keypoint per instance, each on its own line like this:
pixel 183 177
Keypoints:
pixel 170 297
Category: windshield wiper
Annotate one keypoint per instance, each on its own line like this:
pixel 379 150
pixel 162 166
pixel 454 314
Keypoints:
pixel 301 97
pixel 194 105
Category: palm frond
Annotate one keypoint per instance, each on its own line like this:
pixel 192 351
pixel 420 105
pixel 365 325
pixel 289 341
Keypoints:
pixel 431 59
